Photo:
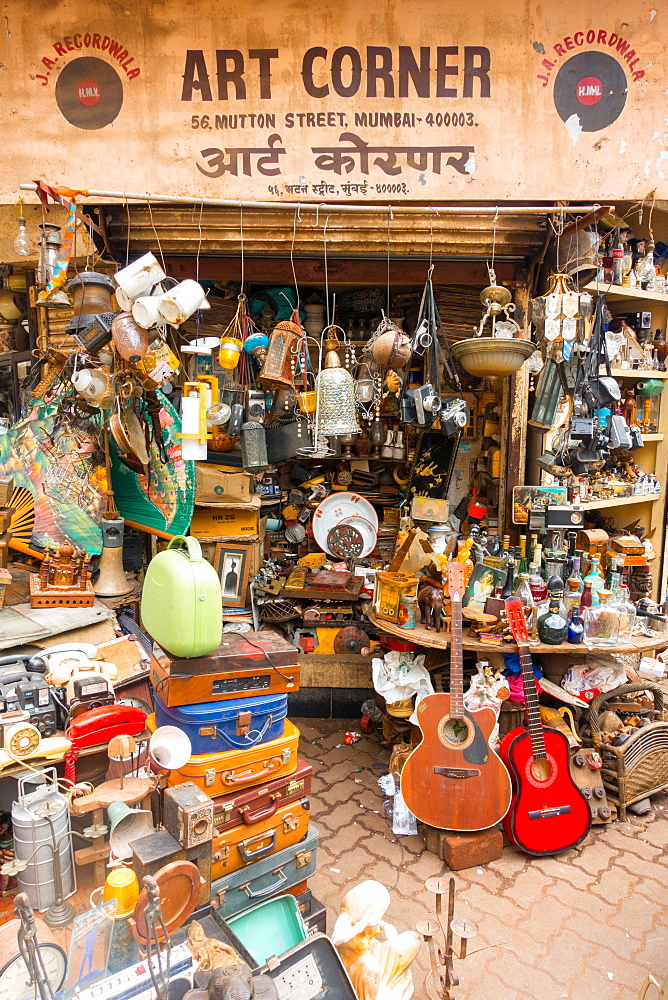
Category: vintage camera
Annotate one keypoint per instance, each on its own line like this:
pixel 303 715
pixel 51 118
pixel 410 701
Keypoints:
pixel 89 691
pixel 582 427
pixel 454 416
pixel 427 404
pixel 255 406
pixel 188 814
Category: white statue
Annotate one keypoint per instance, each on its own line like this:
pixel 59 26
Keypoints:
pixel 379 970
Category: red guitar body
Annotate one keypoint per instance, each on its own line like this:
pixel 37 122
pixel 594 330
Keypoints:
pixel 548 812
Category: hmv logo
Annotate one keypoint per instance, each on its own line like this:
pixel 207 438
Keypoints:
pixel 590 90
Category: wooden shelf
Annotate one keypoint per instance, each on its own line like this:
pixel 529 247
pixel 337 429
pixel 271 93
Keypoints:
pixel 620 501
pixel 617 292
pixel 642 376
pixel 652 437
pixel 441 640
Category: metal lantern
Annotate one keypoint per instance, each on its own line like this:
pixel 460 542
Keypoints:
pixel 47 264
pixel 335 390
pixel 277 369
pixel 253 447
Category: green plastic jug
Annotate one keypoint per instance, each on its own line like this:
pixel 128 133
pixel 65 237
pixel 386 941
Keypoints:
pixel 181 602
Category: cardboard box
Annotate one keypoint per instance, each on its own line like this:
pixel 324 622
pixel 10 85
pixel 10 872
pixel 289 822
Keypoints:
pixel 217 485
pixel 226 520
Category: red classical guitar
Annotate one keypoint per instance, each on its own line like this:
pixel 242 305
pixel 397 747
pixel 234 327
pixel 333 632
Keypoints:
pixel 548 813
pixel 453 780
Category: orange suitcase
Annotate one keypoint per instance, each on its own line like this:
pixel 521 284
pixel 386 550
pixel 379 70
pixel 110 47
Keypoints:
pixel 242 845
pixel 223 773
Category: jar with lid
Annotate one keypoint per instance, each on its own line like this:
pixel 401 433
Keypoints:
pixel 601 624
pixel 627 612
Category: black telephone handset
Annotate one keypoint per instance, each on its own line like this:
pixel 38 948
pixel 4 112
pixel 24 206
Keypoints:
pixel 35 663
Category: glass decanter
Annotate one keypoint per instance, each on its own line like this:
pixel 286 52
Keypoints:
pixel 601 624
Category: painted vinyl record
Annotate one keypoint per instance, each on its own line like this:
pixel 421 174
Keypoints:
pixel 89 93
pixel 593 86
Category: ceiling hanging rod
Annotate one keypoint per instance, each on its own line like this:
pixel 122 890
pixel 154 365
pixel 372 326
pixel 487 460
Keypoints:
pixel 448 209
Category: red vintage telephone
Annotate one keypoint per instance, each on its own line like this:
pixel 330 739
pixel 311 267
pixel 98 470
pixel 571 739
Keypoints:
pixel 100 725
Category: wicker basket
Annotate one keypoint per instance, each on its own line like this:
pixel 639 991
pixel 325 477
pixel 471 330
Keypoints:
pixel 511 715
pixel 639 767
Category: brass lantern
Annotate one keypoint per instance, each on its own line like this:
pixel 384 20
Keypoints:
pixel 253 447
pixel 335 389
pixel 277 368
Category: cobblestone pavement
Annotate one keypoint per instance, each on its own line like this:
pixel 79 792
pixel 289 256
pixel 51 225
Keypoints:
pixel 586 925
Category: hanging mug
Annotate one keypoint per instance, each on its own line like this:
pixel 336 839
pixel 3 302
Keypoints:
pixel 146 311
pixel 137 279
pixel 177 305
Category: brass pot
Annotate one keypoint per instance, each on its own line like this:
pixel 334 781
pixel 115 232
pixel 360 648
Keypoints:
pixel 492 356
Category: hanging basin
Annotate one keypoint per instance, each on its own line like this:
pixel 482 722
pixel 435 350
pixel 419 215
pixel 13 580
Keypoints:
pixel 489 356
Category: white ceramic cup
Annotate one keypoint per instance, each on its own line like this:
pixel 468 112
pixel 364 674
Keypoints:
pixel 179 303
pixel 146 311
pixel 90 384
pixel 137 279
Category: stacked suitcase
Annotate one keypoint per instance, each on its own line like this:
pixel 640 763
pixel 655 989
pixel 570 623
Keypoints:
pixel 232 705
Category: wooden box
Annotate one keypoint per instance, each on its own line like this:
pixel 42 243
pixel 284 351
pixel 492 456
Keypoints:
pixel 150 854
pixel 464 850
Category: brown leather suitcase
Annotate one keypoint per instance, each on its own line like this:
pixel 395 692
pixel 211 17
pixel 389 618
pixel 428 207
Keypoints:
pixel 254 804
pixel 242 845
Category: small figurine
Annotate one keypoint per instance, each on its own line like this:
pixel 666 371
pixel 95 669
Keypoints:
pixel 63 579
pixel 379 970
pixel 209 953
pixel 235 983
pixel 629 410
pixel 430 602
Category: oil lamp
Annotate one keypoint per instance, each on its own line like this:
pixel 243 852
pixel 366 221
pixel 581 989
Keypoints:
pixel 278 366
pixel 256 345
pixel 47 264
pixel 253 446
pixel 335 390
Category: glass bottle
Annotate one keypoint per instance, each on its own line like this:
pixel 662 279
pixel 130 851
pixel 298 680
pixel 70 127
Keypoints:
pixel 601 624
pixel 523 590
pixel 552 626
pixel 627 612
pixel 522 562
pixel 595 579
pixel 575 633
pixel 510 578
pixel 575 572
pixel 572 597
pixel 586 597
pixel 536 581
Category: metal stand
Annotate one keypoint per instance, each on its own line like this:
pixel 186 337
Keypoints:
pixel 443 975
pixel 30 953
pixel 155 929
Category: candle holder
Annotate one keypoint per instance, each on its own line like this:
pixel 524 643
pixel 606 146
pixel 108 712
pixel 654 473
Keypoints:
pixel 442 957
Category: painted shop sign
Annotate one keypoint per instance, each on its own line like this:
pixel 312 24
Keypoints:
pixel 416 100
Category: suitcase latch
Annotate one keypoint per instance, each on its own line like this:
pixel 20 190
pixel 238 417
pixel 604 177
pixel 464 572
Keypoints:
pixel 285 756
pixel 302 858
pixel 208 731
pixel 220 898
pixel 221 855
pixel 244 723
pixel 209 777
pixel 290 822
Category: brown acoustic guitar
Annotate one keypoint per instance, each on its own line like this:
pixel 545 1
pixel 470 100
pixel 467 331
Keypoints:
pixel 453 780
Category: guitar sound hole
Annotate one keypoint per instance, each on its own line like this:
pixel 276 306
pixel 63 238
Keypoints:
pixel 541 770
pixel 456 733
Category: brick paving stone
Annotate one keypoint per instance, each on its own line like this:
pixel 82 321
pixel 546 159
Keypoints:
pixel 549 928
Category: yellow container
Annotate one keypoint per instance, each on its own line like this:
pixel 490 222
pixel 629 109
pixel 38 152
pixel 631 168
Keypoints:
pixel 306 401
pixel 390 588
pixel 230 352
pixel 122 885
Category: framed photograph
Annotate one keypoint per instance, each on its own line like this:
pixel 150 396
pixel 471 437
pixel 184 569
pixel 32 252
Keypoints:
pixel 232 563
pixel 484 580
pixel 531 499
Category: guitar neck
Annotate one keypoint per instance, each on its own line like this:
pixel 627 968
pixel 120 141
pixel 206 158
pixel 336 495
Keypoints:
pixel 456 662
pixel 534 723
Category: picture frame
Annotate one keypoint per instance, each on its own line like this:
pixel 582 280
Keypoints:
pixel 232 564
pixel 484 579
pixel 529 499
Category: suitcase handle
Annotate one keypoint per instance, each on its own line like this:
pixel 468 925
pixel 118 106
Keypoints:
pixel 231 778
pixel 260 852
pixel 269 889
pixel 250 816
pixel 190 543
pixel 246 742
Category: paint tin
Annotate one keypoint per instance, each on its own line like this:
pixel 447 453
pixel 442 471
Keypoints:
pixel 407 611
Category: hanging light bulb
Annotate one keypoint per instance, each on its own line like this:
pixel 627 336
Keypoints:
pixel 335 390
pixel 22 243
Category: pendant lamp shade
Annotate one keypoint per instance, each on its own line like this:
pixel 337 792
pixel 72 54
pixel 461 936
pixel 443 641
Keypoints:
pixel 335 391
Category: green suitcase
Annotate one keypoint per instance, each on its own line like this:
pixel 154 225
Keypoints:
pixel 182 603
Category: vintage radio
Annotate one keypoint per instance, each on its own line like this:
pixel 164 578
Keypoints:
pixel 248 664
pixel 563 516
pixel 188 814
pixel 29 692
pixel 150 854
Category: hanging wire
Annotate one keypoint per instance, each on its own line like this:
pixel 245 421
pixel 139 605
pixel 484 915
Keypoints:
pixel 390 216
pixel 490 270
pixel 199 245
pixel 431 249
pixel 297 215
pixel 127 243
pixel 157 238
pixel 241 235
pixel 324 244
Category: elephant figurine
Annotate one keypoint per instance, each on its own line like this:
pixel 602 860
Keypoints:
pixel 430 602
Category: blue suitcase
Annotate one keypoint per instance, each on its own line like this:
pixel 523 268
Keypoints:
pixel 238 724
